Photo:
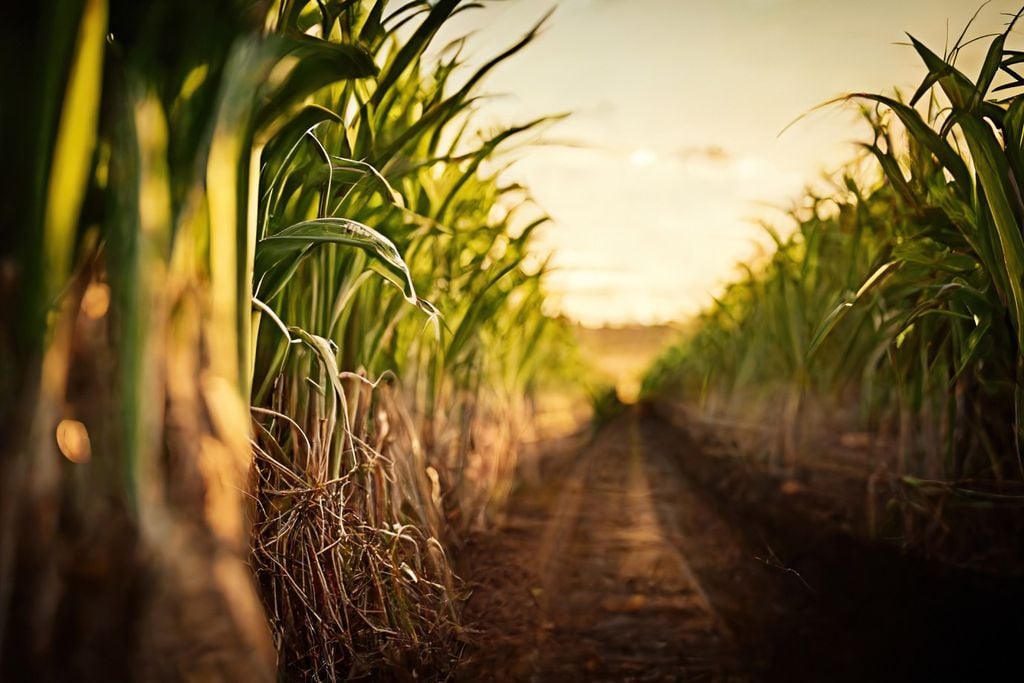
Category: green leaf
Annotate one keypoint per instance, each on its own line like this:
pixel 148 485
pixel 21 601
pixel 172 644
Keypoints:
pixel 924 134
pixel 477 308
pixel 993 60
pixel 413 47
pixel 956 85
pixel 318 64
pixel 881 274
pixel 281 149
pixel 992 173
pixel 284 249
pixel 973 349
pixel 73 146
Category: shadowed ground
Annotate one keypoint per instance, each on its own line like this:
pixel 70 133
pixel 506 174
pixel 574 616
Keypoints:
pixel 626 560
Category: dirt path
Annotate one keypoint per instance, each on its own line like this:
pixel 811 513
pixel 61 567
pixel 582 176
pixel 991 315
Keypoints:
pixel 611 551
pixel 620 599
pixel 624 562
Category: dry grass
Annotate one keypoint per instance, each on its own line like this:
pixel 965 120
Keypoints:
pixel 345 598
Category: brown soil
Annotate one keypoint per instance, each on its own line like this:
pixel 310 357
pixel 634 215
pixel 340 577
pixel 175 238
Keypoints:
pixel 636 557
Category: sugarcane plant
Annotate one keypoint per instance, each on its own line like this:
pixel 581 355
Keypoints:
pixel 899 294
pixel 257 276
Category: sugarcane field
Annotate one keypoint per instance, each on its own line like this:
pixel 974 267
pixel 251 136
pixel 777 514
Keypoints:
pixel 512 340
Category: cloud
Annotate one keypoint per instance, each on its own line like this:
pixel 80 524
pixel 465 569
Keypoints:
pixel 712 153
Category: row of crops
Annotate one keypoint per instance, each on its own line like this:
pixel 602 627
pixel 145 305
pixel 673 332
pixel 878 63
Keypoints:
pixel 269 332
pixel 894 307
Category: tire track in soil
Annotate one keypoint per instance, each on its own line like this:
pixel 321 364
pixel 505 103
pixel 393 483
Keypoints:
pixel 606 557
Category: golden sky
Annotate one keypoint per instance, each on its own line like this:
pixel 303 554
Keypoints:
pixel 677 106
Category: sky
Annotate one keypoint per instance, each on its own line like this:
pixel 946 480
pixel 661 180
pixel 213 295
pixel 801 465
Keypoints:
pixel 673 152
